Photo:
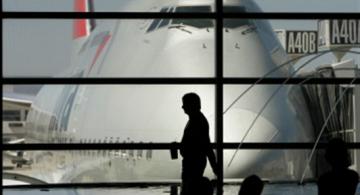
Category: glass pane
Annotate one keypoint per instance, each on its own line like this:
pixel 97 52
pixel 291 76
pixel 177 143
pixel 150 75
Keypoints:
pixel 288 113
pixel 115 48
pixel 154 6
pixel 280 169
pixel 313 6
pixel 92 191
pixel 34 48
pixel 279 166
pixel 102 6
pixel 280 189
pixel 110 113
pixel 95 166
pixel 38 5
pixel 290 48
pixel 296 6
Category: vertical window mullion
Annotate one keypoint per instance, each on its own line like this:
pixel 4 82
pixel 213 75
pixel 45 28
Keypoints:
pixel 219 95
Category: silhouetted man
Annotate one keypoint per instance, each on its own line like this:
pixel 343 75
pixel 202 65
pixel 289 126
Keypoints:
pixel 195 144
pixel 340 180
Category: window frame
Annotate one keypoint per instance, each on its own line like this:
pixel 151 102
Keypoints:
pixel 218 81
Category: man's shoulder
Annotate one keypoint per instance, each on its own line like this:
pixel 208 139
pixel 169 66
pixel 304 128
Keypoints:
pixel 204 120
pixel 199 118
pixel 202 116
pixel 347 174
pixel 353 173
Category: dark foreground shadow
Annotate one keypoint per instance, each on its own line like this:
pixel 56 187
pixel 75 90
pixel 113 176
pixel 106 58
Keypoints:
pixel 252 185
pixel 340 180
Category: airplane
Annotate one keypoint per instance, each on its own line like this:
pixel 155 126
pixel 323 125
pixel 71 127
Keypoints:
pixel 152 113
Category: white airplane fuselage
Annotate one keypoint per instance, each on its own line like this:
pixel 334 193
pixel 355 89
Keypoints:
pixel 152 113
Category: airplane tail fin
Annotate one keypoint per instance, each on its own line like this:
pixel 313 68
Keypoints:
pixel 82 27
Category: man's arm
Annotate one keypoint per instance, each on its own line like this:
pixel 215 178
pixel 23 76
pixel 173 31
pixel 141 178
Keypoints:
pixel 209 151
pixel 212 159
pixel 211 155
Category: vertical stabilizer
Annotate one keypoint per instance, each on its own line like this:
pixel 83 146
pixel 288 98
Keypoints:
pixel 83 27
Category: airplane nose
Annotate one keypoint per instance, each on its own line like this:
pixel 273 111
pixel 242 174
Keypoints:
pixel 245 54
pixel 191 54
pixel 237 121
pixel 250 161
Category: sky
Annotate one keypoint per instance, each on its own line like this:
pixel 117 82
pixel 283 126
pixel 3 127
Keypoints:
pixel 43 47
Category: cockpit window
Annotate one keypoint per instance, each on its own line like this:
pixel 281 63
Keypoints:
pixel 155 23
pixel 165 22
pixel 234 23
pixel 234 9
pixel 187 9
pixel 198 23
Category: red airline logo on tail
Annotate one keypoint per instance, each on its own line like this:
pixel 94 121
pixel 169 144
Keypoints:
pixel 81 26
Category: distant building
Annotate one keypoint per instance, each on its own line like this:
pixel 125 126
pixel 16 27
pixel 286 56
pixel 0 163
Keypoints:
pixel 14 113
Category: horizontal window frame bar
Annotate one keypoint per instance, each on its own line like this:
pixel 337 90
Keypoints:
pixel 167 146
pixel 193 15
pixel 192 81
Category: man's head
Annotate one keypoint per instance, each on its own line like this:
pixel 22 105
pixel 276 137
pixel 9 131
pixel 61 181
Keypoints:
pixel 337 154
pixel 252 185
pixel 191 103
